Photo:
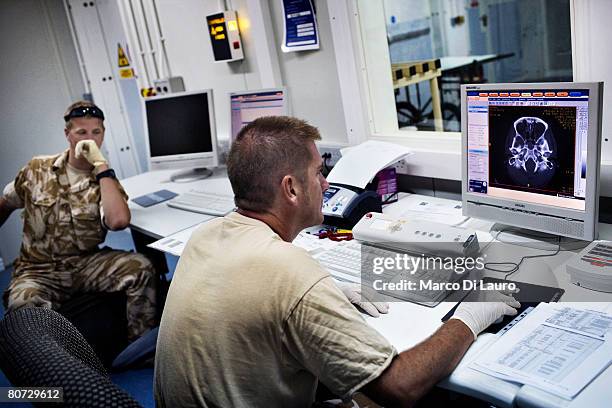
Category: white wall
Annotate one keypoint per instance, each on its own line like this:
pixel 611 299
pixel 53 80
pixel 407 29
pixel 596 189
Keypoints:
pixel 591 60
pixel 310 76
pixel 592 28
pixel 39 78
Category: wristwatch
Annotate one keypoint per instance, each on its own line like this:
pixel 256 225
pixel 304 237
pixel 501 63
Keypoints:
pixel 106 173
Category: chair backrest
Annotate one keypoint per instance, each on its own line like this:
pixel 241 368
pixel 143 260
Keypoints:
pixel 41 348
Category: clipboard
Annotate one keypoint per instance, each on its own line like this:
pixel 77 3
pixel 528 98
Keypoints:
pixel 529 295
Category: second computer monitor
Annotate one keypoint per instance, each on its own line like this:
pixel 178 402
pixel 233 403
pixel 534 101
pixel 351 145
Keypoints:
pixel 249 105
pixel 531 155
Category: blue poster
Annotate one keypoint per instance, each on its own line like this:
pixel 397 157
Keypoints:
pixel 301 31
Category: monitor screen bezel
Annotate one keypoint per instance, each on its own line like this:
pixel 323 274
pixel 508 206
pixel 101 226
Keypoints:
pixel 590 215
pixel 184 160
pixel 283 89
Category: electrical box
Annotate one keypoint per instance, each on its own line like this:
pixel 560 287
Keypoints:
pixel 224 36
pixel 169 85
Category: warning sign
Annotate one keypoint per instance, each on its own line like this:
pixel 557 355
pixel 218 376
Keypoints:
pixel 123 60
pixel 126 73
pixel 146 92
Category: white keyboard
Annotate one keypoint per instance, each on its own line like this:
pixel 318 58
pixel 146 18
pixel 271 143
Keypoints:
pixel 344 263
pixel 204 202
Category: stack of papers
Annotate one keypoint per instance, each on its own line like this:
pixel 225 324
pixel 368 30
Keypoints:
pixel 556 348
pixel 361 163
pixel 434 209
pixel 175 244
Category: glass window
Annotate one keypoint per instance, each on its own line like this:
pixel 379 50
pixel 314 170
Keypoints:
pixel 436 45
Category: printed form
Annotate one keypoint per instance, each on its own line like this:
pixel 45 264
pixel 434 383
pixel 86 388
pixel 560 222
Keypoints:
pixel 556 348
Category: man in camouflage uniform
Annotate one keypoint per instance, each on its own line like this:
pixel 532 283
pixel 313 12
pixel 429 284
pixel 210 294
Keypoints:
pixel 70 200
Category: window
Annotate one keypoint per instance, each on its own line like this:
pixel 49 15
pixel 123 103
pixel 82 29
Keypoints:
pixel 434 46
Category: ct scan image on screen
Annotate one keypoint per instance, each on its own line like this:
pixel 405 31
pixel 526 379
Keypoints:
pixel 533 148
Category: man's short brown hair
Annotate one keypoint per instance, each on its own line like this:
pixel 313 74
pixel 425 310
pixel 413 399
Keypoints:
pixel 265 151
pixel 78 104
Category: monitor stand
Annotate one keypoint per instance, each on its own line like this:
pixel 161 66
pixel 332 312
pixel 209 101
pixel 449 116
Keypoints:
pixel 185 176
pixel 525 237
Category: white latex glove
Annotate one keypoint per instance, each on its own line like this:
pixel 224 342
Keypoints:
pixel 90 151
pixel 353 293
pixel 480 315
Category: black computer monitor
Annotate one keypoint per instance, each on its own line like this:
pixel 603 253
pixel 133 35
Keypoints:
pixel 181 132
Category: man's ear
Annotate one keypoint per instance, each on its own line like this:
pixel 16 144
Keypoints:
pixel 289 189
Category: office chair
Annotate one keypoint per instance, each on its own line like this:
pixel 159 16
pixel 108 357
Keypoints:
pixel 41 348
pixel 101 319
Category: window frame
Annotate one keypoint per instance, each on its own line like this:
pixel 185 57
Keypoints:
pixel 368 98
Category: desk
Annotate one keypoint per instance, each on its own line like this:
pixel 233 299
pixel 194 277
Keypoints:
pixel 158 221
pixel 407 324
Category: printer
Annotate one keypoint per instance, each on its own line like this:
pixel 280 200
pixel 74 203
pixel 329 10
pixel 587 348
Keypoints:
pixel 344 205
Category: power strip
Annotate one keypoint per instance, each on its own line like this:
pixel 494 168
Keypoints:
pixel 415 235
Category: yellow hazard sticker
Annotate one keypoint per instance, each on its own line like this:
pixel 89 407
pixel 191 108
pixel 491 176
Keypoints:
pixel 122 57
pixel 126 73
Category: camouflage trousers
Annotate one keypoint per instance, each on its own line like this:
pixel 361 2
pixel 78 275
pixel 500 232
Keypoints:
pixel 52 284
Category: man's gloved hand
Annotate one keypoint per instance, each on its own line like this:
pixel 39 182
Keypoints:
pixel 353 293
pixel 90 151
pixel 480 315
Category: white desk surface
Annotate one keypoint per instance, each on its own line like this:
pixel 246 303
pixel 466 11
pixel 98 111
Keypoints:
pixel 159 220
pixel 407 324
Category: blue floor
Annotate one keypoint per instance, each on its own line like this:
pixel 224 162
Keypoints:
pixel 137 383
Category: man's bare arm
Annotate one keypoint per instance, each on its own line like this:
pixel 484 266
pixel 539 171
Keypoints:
pixel 116 211
pixel 414 372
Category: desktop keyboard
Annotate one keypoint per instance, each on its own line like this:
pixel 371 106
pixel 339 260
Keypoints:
pixel 344 261
pixel 204 202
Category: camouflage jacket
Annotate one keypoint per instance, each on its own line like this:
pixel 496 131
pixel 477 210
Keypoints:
pixel 60 220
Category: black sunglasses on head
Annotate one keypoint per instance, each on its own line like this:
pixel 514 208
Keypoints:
pixel 82 111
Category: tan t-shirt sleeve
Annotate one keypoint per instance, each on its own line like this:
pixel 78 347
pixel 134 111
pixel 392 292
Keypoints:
pixel 329 337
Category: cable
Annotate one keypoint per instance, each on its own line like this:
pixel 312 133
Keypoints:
pixel 462 222
pixel 515 266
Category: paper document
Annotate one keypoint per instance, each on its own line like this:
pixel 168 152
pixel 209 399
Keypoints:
pixel 428 209
pixel 361 163
pixel 175 244
pixel 312 243
pixel 555 348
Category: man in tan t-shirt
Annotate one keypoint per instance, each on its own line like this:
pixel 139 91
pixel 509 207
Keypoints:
pixel 253 321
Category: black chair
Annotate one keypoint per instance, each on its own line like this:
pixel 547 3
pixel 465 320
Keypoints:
pixel 41 348
pixel 101 319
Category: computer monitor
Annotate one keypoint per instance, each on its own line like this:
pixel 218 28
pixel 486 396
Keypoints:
pixel 249 105
pixel 180 131
pixel 530 155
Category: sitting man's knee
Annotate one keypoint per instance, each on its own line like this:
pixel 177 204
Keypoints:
pixel 142 263
pixel 140 270
pixel 25 295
